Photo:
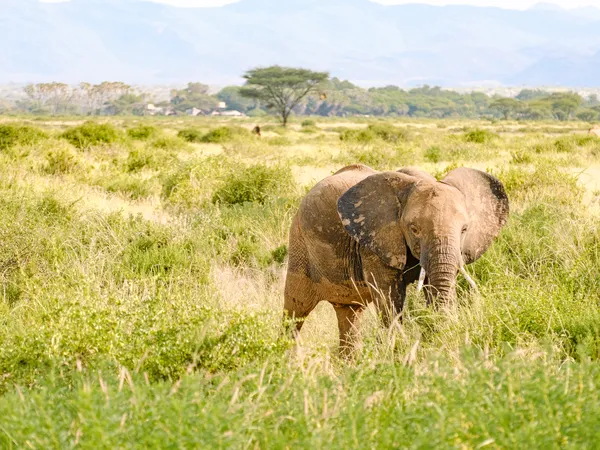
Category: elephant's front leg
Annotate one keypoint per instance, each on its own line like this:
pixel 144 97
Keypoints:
pixel 347 315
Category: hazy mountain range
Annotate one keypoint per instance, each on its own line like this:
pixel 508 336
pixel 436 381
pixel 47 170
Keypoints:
pixel 367 43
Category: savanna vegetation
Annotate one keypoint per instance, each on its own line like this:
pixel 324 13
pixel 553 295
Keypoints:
pixel 290 91
pixel 142 265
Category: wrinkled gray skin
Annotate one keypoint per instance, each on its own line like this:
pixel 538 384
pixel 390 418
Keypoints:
pixel 359 229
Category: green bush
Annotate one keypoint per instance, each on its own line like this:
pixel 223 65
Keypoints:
pixel 280 254
pixel 361 136
pixel 170 143
pixel 521 157
pixel 224 134
pixel 191 135
pixel 143 158
pixel 479 136
pixel 433 154
pixel 142 132
pixel 385 132
pixel 11 135
pixel 61 161
pixel 254 184
pixel 378 158
pixel 389 133
pixel 90 134
pixel 308 123
pixel 309 130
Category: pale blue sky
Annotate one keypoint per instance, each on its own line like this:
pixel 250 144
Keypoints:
pixel 512 4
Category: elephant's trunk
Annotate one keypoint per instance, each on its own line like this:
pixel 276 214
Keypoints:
pixel 442 263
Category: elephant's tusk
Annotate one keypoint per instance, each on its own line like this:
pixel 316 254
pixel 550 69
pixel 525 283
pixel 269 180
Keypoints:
pixel 469 279
pixel 421 280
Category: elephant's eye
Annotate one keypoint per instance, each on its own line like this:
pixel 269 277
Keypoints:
pixel 464 229
pixel 414 230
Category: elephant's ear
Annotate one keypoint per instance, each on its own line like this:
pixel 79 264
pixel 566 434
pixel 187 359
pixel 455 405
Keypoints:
pixel 370 212
pixel 487 204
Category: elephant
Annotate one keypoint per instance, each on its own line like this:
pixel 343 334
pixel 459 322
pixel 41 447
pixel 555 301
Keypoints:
pixel 360 233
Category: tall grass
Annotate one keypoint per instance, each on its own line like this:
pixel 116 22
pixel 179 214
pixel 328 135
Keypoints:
pixel 119 331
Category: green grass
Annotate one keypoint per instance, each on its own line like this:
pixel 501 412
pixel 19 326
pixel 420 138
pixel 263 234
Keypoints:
pixel 142 293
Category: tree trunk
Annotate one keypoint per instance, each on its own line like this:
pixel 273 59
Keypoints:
pixel 284 118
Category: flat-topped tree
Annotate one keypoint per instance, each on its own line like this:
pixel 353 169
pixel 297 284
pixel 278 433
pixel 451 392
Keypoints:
pixel 281 89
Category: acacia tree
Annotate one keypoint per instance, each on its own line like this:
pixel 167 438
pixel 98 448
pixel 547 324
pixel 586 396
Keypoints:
pixel 281 89
pixel 506 106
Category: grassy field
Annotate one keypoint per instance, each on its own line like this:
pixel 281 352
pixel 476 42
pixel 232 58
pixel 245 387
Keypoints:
pixel 142 264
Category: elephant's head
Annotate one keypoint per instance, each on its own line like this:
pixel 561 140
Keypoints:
pixel 444 224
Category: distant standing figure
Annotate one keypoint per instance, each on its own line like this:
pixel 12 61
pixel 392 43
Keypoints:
pixel 256 131
pixel 595 131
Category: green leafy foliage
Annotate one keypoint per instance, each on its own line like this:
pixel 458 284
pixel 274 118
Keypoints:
pixel 61 161
pixel 142 132
pixel 359 136
pixel 191 135
pixel 223 134
pixel 281 88
pixel 90 134
pixel 433 154
pixel 389 133
pixel 479 136
pixel 12 135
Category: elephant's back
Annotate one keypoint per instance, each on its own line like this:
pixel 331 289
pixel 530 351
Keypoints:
pixel 320 228
pixel 319 208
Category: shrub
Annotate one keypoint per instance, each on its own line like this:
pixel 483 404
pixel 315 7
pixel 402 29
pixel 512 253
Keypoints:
pixel 142 132
pixel 168 143
pixel 224 134
pixel 90 134
pixel 191 135
pixel 374 157
pixel 132 187
pixel 308 123
pixel 11 135
pixel 521 157
pixel 389 133
pixel 61 161
pixel 253 184
pixel 362 136
pixel 479 136
pixel 309 130
pixel 433 154
pixel 280 254
pixel 139 159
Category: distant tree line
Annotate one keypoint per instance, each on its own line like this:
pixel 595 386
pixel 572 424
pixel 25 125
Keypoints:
pixel 533 104
pixel 301 92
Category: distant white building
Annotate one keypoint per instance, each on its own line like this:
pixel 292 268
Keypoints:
pixel 153 110
pixel 222 105
pixel 194 112
pixel 232 114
